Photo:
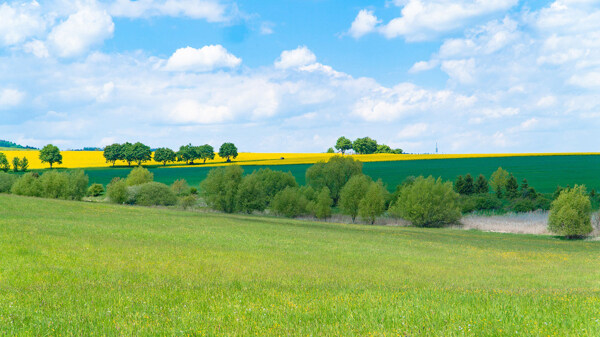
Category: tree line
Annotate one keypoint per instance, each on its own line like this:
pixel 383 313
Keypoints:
pixel 364 145
pixel 139 153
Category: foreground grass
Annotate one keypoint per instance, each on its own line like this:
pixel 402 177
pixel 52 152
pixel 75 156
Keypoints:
pixel 75 268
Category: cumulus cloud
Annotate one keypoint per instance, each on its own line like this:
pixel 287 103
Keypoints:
pixel 211 11
pixel 87 27
pixel 301 56
pixel 19 22
pixel 202 59
pixel 10 98
pixel 364 23
pixel 423 20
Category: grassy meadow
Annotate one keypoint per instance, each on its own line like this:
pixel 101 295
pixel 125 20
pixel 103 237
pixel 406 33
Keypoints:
pixel 542 172
pixel 84 269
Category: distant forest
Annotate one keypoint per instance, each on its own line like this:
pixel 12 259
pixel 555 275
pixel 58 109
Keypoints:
pixel 6 143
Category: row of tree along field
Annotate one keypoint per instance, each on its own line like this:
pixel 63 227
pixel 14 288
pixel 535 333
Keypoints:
pixel 336 186
pixel 364 145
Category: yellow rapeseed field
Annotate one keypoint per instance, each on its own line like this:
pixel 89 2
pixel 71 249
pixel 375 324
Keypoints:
pixel 85 159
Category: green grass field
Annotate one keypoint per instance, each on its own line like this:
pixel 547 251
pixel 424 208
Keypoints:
pixel 83 269
pixel 542 172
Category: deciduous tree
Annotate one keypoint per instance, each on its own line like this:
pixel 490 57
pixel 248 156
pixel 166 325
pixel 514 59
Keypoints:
pixel 51 154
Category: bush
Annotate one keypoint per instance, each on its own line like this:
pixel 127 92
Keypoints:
pixel 78 183
pixel 352 193
pixel 153 194
pixel 570 213
pixel 523 205
pixel 333 174
pixel 138 176
pixel 428 202
pixel 180 187
pixel 251 195
pixel 322 207
pixel 481 202
pixel 95 190
pixel 290 202
pixel 373 203
pixel 187 201
pixel 28 184
pixel 54 185
pixel 6 182
pixel 117 191
pixel 4 164
pixel 219 189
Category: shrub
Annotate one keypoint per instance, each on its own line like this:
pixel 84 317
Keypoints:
pixel 251 195
pixel 117 191
pixel 522 205
pixel 219 189
pixel 138 176
pixel 322 207
pixel 193 190
pixel 6 182
pixel 570 213
pixel 154 194
pixel 372 204
pixel 333 174
pixel 180 187
pixel 480 202
pixel 352 193
pixel 428 202
pixel 187 201
pixel 54 185
pixel 28 184
pixel 290 202
pixel 95 190
pixel 78 182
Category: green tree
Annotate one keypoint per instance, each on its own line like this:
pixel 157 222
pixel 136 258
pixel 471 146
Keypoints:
pixel 481 185
pixel 4 165
pixel 141 153
pixel 352 193
pixel 459 184
pixel 290 202
pixel 512 187
pixel 251 195
pixel 333 174
pixel 127 153
pixel 570 213
pixel 220 187
pixel 343 144
pixel 117 191
pixel 24 164
pixel 228 151
pixel 428 202
pixel 469 187
pixel 95 190
pixel 386 149
pixel 139 175
pixel 372 204
pixel 498 181
pixel 323 204
pixel 164 155
pixel 187 153
pixel 50 154
pixel 113 152
pixel 365 145
pixel 206 152
pixel 16 164
pixel 330 150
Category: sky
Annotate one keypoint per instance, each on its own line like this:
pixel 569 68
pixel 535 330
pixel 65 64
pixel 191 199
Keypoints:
pixel 492 76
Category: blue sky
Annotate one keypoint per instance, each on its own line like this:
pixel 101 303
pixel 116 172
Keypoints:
pixel 293 75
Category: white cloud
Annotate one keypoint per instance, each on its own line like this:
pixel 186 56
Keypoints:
pixel 37 48
pixel 86 28
pixel 211 11
pixel 422 20
pixel 546 101
pixel 462 71
pixel 364 23
pixel 423 66
pixel 10 98
pixel 191 111
pixel 203 59
pixel 413 131
pixel 19 21
pixel 301 56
